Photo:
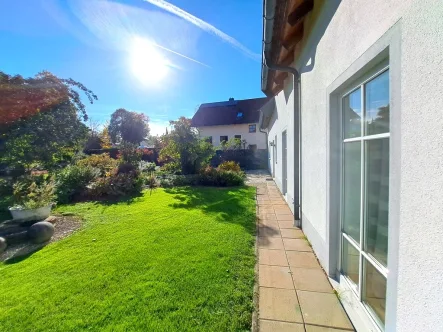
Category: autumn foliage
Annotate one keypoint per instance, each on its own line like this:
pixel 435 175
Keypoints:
pixel 21 97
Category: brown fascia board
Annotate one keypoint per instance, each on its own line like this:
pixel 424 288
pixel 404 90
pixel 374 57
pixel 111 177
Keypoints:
pixel 279 22
pixel 300 12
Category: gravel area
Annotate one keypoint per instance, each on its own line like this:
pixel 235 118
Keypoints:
pixel 63 227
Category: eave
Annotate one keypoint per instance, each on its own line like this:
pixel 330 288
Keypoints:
pixel 283 33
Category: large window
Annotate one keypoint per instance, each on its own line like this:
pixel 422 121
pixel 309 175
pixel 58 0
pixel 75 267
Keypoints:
pixel 365 192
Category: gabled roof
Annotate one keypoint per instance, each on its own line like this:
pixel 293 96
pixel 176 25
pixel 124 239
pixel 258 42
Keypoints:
pixel 228 112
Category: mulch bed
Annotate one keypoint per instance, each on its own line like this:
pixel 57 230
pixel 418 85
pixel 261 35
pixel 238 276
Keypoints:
pixel 63 227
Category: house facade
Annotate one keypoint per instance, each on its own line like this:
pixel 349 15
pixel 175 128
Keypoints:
pixel 354 134
pixel 222 121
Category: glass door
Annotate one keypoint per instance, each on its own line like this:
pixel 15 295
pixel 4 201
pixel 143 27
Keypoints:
pixel 365 192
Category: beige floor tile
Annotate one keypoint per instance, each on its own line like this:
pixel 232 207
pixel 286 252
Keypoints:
pixel 278 203
pixel 286 223
pixel 276 326
pixel 275 276
pixel 264 203
pixel 268 223
pixel 270 242
pixel 323 309
pixel 268 216
pixel 292 233
pixel 279 304
pixel 272 257
pixel 302 259
pixel 312 328
pixel 266 230
pixel 282 210
pixel 313 280
pixel 296 244
pixel 284 217
pixel 268 209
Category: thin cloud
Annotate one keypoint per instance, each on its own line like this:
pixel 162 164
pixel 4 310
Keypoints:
pixel 179 54
pixel 204 26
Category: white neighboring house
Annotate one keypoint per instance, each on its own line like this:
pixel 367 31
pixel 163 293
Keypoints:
pixel 356 147
pixel 222 121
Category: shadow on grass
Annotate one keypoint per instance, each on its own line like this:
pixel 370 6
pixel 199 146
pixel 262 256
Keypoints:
pixel 229 204
pixel 128 199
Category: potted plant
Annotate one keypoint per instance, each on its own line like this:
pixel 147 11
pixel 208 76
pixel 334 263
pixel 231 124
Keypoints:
pixel 33 198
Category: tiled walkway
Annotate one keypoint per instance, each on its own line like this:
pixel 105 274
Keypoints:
pixel 294 292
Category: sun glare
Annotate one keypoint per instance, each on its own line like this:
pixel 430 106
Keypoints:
pixel 147 63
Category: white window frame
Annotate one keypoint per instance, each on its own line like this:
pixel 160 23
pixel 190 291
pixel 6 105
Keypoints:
pixel 358 291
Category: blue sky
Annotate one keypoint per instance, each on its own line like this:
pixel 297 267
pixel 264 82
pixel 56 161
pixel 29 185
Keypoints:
pixel 95 43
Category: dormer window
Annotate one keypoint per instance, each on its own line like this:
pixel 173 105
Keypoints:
pixel 239 115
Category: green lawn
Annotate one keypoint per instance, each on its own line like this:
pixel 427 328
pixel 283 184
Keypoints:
pixel 181 259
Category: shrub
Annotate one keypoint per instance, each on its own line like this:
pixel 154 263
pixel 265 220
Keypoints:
pixel 103 162
pixel 220 178
pixel 147 167
pixel 73 180
pixel 130 154
pixel 171 168
pixel 230 166
pixel 32 192
pixel 209 176
pixel 126 168
pixel 117 185
pixel 5 187
pixel 151 181
pixel 230 179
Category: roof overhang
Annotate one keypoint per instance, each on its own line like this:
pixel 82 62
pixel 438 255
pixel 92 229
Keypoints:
pixel 266 112
pixel 283 30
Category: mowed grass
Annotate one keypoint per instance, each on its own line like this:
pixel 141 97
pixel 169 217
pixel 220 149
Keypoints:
pixel 177 260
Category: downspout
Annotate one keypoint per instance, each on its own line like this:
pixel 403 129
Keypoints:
pixel 297 137
pixel 268 23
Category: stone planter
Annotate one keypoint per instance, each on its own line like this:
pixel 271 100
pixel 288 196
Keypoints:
pixel 30 214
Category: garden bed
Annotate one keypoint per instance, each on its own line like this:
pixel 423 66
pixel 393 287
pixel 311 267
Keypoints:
pixel 63 227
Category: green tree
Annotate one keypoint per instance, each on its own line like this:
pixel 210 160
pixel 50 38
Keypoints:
pixel 232 144
pixel 128 126
pixel 44 132
pixel 184 147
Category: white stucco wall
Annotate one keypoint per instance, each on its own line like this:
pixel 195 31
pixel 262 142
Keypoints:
pixel 283 120
pixel 257 138
pixel 415 296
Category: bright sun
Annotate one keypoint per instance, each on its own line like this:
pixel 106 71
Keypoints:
pixel 147 63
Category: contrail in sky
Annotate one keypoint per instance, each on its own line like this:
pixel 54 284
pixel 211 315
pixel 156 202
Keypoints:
pixel 204 26
pixel 179 54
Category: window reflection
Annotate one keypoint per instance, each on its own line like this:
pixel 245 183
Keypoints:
pixel 352 114
pixel 352 190
pixel 375 291
pixel 377 105
pixel 377 198
pixel 350 264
